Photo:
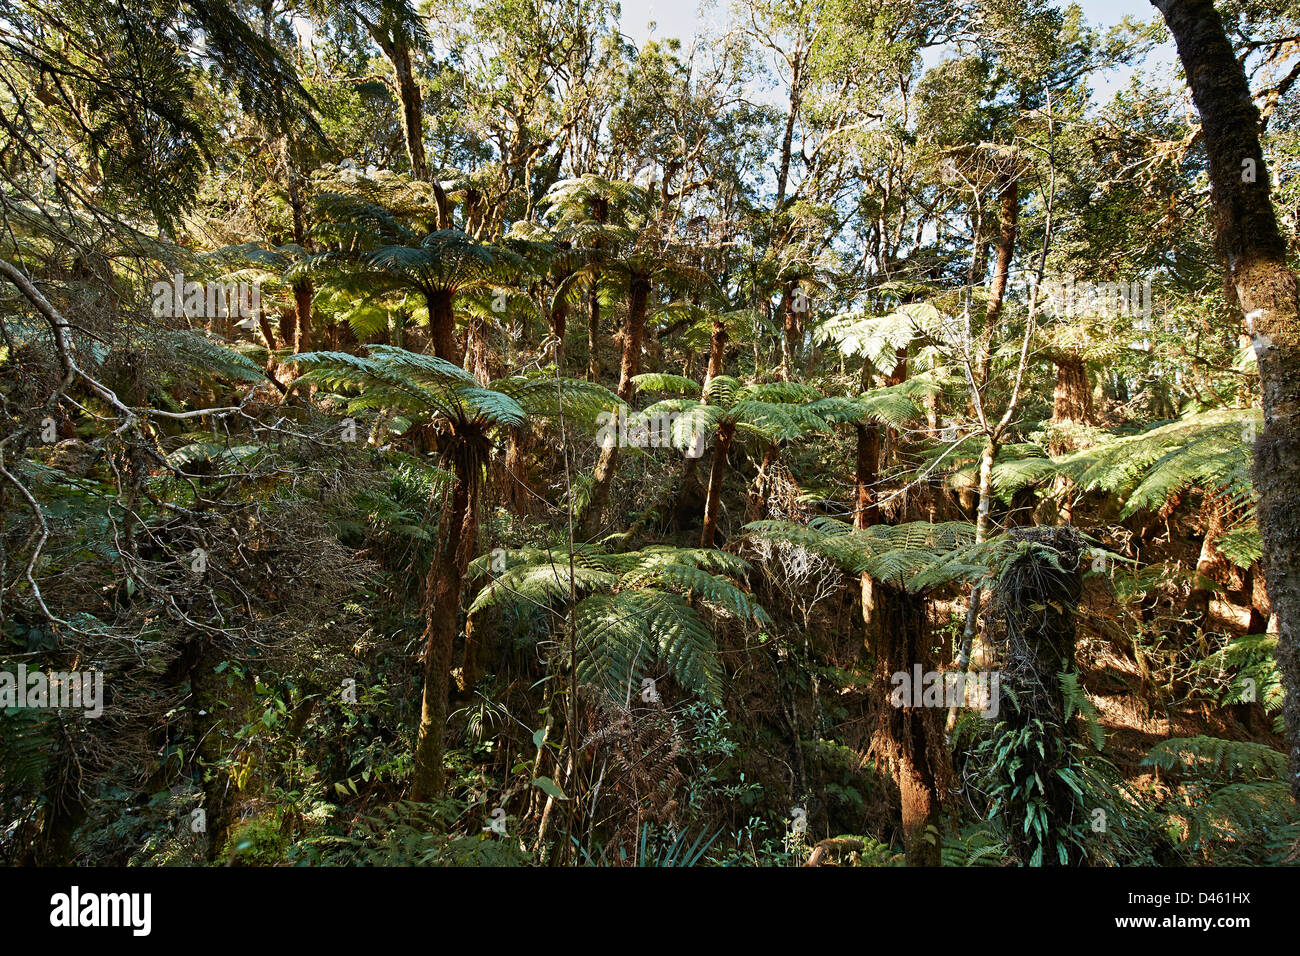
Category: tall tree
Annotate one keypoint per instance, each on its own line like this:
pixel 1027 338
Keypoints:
pixel 1265 287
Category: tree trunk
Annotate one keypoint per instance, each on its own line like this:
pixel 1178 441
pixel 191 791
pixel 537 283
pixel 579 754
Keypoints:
pixel 690 494
pixel 717 473
pixel 593 334
pixel 408 93
pixel 1208 564
pixel 1255 252
pixel 289 328
pixel 442 605
pixel 1008 227
pixel 789 331
pixel 559 323
pixel 479 355
pixel 1008 224
pixel 971 628
pixel 303 290
pixel 603 478
pixel 758 501
pixel 302 299
pixel 1071 404
pixel 1072 396
pixel 599 214
pixel 911 737
pixel 866 512
pixel 717 351
pixel 787 139
pixel 469 666
pixel 633 335
pixel 1036 598
pixel 442 327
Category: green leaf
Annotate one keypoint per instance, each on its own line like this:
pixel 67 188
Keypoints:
pixel 550 788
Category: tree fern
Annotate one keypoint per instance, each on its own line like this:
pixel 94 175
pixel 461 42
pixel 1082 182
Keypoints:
pixel 635 608
pixel 917 556
pixel 1234 801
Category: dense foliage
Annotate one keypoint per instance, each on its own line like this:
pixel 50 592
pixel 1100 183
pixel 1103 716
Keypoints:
pixel 459 435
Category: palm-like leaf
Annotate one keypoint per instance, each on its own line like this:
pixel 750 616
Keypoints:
pixel 634 609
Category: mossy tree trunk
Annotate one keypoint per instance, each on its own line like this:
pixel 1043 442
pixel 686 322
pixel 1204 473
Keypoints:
pixel 1255 253
pixel 1036 598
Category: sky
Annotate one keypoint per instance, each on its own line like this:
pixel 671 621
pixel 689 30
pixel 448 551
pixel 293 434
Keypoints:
pixel 679 17
pixel 682 19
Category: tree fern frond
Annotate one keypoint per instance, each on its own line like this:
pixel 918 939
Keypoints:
pixel 1213 756
pixel 664 382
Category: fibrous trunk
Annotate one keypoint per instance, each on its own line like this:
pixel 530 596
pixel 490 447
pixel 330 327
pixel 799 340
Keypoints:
pixel 1265 287
pixel 442 605
pixel 717 474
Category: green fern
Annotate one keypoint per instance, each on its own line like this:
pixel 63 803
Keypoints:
pixel 634 608
pixel 1214 757
pixel 917 556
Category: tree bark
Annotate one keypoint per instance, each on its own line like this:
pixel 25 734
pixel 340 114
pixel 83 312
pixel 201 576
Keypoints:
pixel 1255 253
pixel 1037 597
pixel 559 323
pixel 789 331
pixel 1072 395
pixel 302 300
pixel 633 333
pixel 442 327
pixel 971 628
pixel 911 737
pixel 599 214
pixel 408 93
pixel 717 351
pixel 717 474
pixel 866 512
pixel 1071 404
pixel 442 604
pixel 303 290
pixel 787 139
pixel 1008 228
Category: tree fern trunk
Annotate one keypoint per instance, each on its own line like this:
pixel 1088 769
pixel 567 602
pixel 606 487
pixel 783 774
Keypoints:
pixel 593 334
pixel 911 737
pixel 559 322
pixel 442 327
pixel 633 333
pixel 1036 599
pixel 442 604
pixel 717 474
pixel 717 351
